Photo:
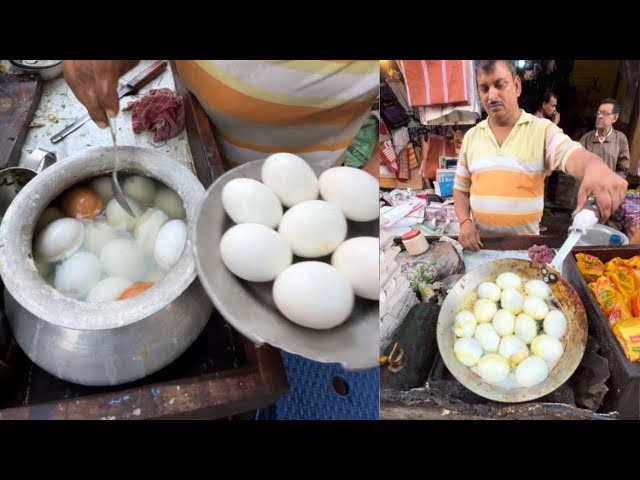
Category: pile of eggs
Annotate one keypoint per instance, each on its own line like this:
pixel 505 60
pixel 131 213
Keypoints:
pixel 512 335
pixel 261 246
pixel 88 248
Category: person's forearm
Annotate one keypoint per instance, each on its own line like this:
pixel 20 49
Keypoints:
pixel 577 162
pixel 461 204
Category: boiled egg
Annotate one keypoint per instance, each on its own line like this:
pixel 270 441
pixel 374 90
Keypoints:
pixel 290 178
pixel 493 368
pixel 141 189
pixel 535 307
pixel 468 351
pixel 104 187
pixel 513 349
pixel 248 201
pixel 464 324
pixel 147 228
pixel 59 240
pixel 356 259
pixel 78 274
pixel 81 202
pixel 487 337
pixel 504 322
pixel 555 324
pixel 512 300
pixel 169 245
pixel 537 288
pixel 484 310
pixel 122 258
pixel 353 191
pixel 526 328
pixel 490 291
pixel 97 235
pixel 547 347
pixel 118 218
pixel 509 280
pixel 170 203
pixel 532 371
pixel 108 289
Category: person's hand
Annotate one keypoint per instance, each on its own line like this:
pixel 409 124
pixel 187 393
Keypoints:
pixel 607 186
pixel 95 85
pixel 469 237
pixel 556 117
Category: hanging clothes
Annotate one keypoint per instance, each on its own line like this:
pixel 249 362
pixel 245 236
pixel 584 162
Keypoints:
pixel 435 82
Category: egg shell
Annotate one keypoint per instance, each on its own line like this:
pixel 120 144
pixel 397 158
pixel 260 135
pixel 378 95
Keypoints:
pixel 59 240
pixel 357 260
pixel 248 201
pixel 353 191
pixel 314 295
pixel 96 235
pixel 147 228
pixel 81 202
pixel 108 289
pixel 78 274
pixel 118 218
pixel 169 245
pixel 122 258
pixel 141 189
pixel 170 203
pixel 290 178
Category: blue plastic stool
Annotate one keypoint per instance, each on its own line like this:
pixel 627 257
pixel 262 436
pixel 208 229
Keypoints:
pixel 325 391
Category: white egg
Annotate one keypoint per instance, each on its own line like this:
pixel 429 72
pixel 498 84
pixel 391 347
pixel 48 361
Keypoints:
pixel 49 215
pixel 248 201
pixel 484 310
pixel 547 347
pixel 468 351
pixel 104 187
pixel 118 218
pixel 555 324
pixel 490 291
pixel 108 289
pixel 532 371
pixel 513 349
pixel 353 191
pixel 512 300
pixel 169 244
pixel 170 203
pixel 493 368
pixel 487 337
pixel 313 228
pixel 122 258
pixel 357 260
pixel 526 328
pixel 147 228
pixel 254 252
pixel 76 275
pixel 314 295
pixel 537 288
pixel 504 322
pixel 97 235
pixel 290 178
pixel 535 307
pixel 509 280
pixel 464 324
pixel 59 240
pixel 141 189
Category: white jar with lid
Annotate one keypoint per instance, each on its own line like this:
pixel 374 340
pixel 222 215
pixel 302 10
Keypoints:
pixel 415 242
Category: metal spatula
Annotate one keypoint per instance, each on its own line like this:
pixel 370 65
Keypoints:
pixel 117 191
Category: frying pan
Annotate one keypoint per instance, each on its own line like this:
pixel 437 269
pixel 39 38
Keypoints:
pixel 574 340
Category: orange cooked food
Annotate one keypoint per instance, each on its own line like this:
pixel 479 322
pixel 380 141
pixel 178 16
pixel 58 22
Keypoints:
pixel 81 203
pixel 134 290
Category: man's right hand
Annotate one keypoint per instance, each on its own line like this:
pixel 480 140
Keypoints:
pixel 469 237
pixel 95 85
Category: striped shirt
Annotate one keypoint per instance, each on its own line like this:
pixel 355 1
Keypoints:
pixel 506 184
pixel 312 108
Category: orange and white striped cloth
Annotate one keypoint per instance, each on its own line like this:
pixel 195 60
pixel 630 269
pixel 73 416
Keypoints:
pixel 506 183
pixel 312 108
pixel 436 82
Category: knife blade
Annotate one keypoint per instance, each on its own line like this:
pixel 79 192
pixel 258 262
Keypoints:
pixel 132 86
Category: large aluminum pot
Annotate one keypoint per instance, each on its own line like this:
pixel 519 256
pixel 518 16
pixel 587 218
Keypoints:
pixel 143 333
pixel 575 339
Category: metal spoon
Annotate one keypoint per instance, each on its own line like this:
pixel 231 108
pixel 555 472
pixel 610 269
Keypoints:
pixel 117 191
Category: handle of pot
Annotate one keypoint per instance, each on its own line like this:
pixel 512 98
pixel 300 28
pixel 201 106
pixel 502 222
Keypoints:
pixel 38 160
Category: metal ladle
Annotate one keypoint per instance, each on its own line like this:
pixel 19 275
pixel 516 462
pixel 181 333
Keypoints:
pixel 117 191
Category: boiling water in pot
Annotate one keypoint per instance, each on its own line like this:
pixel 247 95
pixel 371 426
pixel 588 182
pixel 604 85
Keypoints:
pixel 88 248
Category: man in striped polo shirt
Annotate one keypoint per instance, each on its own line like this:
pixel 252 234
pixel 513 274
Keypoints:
pixel 312 108
pixel 499 183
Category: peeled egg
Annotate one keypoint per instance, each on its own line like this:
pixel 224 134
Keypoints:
pixel 78 274
pixel 468 351
pixel 357 260
pixel 255 252
pixel 104 187
pixel 484 310
pixel 535 307
pixel 547 347
pixel 141 189
pixel 537 288
pixel 118 218
pixel 313 228
pixel 81 202
pixel 512 300
pixel 314 295
pixel 290 178
pixel 555 324
pixel 532 371
pixel 513 349
pixel 170 203
pixel 108 289
pixel 169 245
pixel 504 322
pixel 49 215
pixel 509 280
pixel 248 201
pixel 493 368
pixel 490 291
pixel 147 228
pixel 526 328
pixel 122 258
pixel 59 240
pixel 464 324
pixel 487 337
pixel 353 191
pixel 97 235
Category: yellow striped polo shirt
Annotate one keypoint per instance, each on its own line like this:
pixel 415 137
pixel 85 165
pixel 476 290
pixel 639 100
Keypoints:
pixel 312 108
pixel 506 184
